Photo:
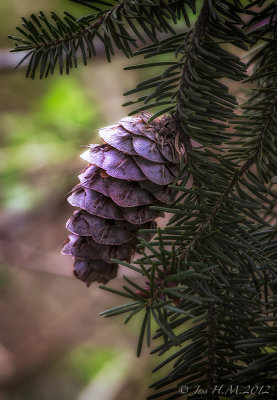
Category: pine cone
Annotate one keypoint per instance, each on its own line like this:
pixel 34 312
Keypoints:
pixel 125 175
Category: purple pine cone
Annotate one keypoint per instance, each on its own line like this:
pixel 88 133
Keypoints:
pixel 125 175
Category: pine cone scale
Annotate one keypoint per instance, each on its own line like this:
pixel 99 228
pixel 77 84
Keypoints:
pixel 83 248
pixel 120 142
pixel 110 162
pixel 156 173
pixel 139 215
pixel 124 193
pixel 94 270
pixel 95 203
pixel 100 229
pixel 161 193
pixel 148 149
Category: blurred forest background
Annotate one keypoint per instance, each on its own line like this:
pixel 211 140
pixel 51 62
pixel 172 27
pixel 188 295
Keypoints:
pixel 53 343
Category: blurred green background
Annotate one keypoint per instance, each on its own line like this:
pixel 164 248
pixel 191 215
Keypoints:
pixel 53 343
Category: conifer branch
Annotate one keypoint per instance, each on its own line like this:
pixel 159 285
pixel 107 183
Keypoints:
pixel 199 32
pixel 56 41
pixel 82 31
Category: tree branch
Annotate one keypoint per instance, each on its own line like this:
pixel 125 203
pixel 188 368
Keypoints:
pixel 199 32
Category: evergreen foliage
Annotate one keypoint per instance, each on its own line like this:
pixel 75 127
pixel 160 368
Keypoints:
pixel 211 272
